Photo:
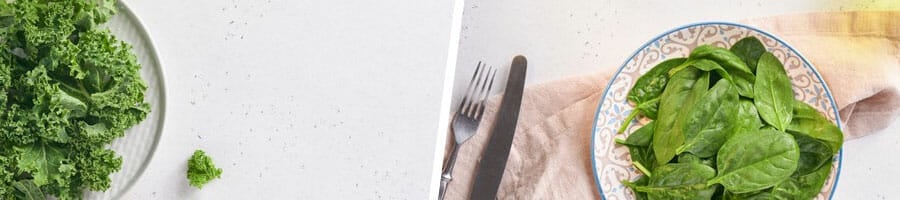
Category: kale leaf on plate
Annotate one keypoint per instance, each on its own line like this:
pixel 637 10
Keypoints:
pixel 68 88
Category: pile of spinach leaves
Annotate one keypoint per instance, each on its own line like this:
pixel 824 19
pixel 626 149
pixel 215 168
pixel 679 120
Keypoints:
pixel 724 125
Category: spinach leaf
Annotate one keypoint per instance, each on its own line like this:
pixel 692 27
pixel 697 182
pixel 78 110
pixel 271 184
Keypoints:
pixel 709 65
pixel 642 136
pixel 749 49
pixel 680 94
pixel 711 161
pixel 747 118
pixel 721 55
pixel 650 106
pixel 642 181
pixel 813 154
pixel 680 181
pixel 650 85
pixel 742 76
pixel 710 121
pixel 639 147
pixel 751 161
pixel 691 158
pixel 802 187
pixel 808 121
pixel 647 89
pixel 759 195
pixel 774 97
pixel 688 158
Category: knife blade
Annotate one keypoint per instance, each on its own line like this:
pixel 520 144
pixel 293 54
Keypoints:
pixel 493 162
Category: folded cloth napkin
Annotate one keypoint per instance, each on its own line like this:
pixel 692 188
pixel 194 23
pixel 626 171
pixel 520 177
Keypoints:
pixel 857 53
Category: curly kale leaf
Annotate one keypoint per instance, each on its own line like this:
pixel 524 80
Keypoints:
pixel 28 190
pixel 7 177
pixel 201 169
pixel 42 161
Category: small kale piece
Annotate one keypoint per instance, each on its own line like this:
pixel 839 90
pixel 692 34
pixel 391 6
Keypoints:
pixel 201 169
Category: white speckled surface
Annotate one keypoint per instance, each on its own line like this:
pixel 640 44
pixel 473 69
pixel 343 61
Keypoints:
pixel 298 99
pixel 569 38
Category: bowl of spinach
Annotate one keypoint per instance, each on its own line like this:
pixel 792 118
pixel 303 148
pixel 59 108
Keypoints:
pixel 716 111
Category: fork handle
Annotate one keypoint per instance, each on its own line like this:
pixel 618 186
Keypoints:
pixel 446 176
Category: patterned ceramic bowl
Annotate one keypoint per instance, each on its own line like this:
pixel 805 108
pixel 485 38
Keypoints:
pixel 612 163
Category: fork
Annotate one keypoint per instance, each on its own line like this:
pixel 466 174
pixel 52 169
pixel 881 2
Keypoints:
pixel 468 116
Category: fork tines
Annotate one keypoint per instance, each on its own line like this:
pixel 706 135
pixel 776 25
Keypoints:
pixel 479 89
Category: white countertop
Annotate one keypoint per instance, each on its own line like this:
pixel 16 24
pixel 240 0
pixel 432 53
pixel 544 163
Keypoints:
pixel 570 38
pixel 298 99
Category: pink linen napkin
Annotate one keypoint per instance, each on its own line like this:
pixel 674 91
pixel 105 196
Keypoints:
pixel 857 53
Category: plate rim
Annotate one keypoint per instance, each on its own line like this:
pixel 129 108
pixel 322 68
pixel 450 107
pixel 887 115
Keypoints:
pixel 837 115
pixel 124 9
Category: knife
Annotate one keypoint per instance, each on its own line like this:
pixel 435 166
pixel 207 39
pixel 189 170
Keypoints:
pixel 493 162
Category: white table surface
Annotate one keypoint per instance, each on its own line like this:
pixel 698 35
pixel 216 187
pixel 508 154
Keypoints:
pixel 569 38
pixel 334 99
